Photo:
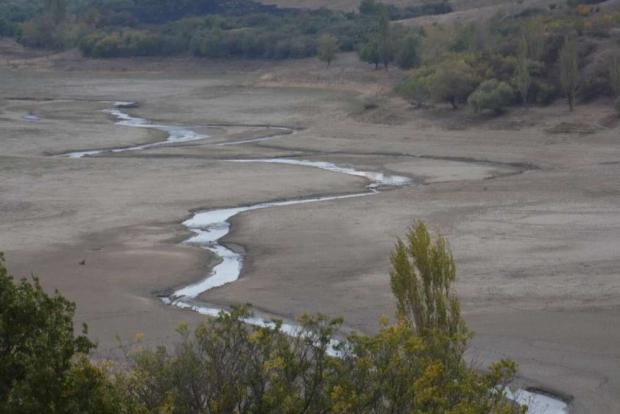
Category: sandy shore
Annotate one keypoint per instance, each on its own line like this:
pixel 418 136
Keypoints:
pixel 533 217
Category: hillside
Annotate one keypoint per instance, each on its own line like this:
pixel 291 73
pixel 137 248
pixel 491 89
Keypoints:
pixel 458 5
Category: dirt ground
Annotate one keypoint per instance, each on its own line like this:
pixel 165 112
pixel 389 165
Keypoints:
pixel 530 203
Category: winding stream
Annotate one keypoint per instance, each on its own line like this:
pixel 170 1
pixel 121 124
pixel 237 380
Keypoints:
pixel 175 134
pixel 210 226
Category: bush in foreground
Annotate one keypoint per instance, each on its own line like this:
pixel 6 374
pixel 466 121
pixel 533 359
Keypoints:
pixel 43 368
pixel 227 366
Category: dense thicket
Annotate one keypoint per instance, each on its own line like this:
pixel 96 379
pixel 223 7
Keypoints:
pixel 43 368
pixel 540 54
pixel 227 366
pixel 210 28
pixel 535 56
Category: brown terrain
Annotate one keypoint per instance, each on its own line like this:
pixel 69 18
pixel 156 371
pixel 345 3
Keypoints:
pixel 529 201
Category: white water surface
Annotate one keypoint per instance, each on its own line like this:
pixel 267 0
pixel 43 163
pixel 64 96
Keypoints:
pixel 212 225
pixel 176 134
pixel 376 179
pixel 538 403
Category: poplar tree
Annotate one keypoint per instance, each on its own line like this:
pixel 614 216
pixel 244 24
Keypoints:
pixel 523 78
pixel 328 46
pixel 569 70
pixel 386 40
pixel 421 278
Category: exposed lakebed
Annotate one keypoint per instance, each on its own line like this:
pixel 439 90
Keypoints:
pixel 208 227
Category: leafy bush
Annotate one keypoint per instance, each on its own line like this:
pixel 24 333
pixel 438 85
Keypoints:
pixel 414 365
pixel 453 81
pixel 328 46
pixel 417 88
pixel 42 365
pixel 407 55
pixel 491 95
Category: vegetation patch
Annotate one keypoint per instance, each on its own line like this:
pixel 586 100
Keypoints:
pixel 416 364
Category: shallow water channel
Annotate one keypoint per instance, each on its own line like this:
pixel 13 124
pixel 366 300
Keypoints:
pixel 210 226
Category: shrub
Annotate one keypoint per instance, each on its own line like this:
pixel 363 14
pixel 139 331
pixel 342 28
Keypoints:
pixel 414 365
pixel 491 95
pixel 327 48
pixel 42 364
pixel 416 89
pixel 407 55
pixel 453 81
pixel 543 92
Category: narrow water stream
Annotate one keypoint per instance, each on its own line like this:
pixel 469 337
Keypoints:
pixel 210 226
pixel 175 134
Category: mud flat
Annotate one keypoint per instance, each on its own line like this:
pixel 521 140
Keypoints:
pixel 533 218
pixel 212 225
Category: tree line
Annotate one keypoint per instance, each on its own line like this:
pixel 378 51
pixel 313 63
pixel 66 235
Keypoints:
pixel 415 364
pixel 534 57
pixel 206 28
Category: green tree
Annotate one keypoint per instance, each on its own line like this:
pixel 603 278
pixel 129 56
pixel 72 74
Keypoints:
pixel 41 368
pixel 569 70
pixel 369 53
pixel 379 45
pixel 421 278
pixel 523 79
pixel 407 54
pixel 454 80
pixel 227 366
pixel 385 40
pixel 417 88
pixel 328 47
pixel 492 95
